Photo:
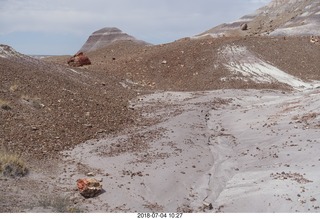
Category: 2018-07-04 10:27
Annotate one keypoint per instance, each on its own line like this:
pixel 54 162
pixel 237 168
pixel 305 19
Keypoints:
pixel 159 215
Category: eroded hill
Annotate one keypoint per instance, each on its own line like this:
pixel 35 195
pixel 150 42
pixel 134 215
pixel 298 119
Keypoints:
pixel 278 18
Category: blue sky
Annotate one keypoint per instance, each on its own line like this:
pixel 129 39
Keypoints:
pixel 56 27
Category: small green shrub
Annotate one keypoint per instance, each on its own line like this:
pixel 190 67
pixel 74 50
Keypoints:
pixel 12 165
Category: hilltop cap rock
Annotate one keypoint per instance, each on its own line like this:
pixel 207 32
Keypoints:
pixel 79 60
pixel 105 37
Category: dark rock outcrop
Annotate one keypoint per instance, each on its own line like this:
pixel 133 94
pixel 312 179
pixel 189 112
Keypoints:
pixel 79 60
pixel 105 37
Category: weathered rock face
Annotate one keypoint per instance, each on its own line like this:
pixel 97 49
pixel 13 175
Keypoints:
pixel 278 18
pixel 105 37
pixel 89 188
pixel 79 60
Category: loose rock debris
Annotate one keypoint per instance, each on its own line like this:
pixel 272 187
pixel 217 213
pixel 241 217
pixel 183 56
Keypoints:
pixel 293 176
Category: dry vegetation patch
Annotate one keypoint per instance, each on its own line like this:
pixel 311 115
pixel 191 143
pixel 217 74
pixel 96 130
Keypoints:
pixel 4 105
pixel 12 165
pixel 58 204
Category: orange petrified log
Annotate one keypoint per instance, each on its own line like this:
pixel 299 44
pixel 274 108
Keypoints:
pixel 89 187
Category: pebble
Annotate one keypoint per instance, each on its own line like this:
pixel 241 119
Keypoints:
pixel 90 174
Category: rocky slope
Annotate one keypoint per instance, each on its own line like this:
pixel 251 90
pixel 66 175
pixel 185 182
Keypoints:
pixel 206 64
pixel 46 108
pixel 279 18
pixel 106 36
pixel 125 68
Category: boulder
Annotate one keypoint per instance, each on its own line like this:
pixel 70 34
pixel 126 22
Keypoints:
pixel 244 26
pixel 315 39
pixel 79 60
pixel 89 187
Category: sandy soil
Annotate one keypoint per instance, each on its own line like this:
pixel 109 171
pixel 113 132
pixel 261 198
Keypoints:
pixel 237 151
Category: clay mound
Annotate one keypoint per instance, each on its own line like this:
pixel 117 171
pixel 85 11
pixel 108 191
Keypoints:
pixel 278 18
pixel 105 37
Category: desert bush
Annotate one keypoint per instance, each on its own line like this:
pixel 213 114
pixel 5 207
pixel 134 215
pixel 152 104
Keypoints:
pixel 12 165
pixel 58 204
pixel 4 105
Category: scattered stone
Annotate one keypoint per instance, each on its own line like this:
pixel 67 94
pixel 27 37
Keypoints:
pixel 90 174
pixel 34 128
pixel 5 107
pixel 293 176
pixel 208 205
pixel 164 62
pixel 88 125
pixel 89 188
pixel 244 26
pixel 313 199
pixel 79 60
pixel 315 40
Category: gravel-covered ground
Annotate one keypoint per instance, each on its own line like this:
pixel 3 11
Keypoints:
pixel 47 107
